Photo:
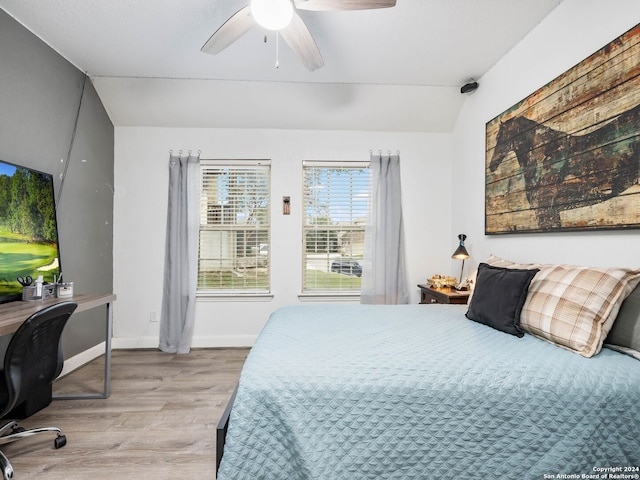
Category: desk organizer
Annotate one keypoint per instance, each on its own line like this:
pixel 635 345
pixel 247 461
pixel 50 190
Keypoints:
pixel 65 289
pixel 29 294
pixel 49 290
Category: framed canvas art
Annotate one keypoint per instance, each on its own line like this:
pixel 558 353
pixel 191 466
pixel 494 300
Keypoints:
pixel 567 157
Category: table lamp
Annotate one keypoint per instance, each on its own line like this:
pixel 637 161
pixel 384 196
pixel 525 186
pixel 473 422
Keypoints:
pixel 461 253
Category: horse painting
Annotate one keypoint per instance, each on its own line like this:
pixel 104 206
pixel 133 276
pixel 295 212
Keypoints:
pixel 563 171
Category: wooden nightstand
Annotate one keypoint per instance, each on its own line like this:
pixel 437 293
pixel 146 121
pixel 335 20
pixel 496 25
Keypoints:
pixel 442 295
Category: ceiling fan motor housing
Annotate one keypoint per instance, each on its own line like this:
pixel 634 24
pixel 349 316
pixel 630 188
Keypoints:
pixel 281 15
pixel 272 14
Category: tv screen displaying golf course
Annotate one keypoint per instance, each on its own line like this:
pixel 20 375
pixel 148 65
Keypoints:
pixel 28 229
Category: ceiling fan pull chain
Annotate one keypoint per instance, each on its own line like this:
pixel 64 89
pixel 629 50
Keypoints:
pixel 277 49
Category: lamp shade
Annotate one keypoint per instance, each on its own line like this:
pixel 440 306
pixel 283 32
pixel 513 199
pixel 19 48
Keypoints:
pixel 272 14
pixel 461 252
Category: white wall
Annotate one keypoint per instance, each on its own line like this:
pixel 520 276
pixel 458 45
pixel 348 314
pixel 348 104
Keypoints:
pixel 438 205
pixel 141 176
pixel 572 32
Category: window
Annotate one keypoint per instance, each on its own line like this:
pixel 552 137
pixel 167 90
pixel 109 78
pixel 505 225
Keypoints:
pixel 234 227
pixel 336 199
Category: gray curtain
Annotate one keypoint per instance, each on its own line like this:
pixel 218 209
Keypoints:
pixel 384 272
pixel 181 256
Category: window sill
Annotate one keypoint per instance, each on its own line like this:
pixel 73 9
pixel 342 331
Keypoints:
pixel 329 297
pixel 234 297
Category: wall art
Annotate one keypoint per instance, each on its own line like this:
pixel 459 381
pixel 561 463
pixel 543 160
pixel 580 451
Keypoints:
pixel 567 157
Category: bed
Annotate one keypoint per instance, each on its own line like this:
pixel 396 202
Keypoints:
pixel 416 392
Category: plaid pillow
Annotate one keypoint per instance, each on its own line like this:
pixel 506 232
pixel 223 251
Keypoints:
pixel 573 307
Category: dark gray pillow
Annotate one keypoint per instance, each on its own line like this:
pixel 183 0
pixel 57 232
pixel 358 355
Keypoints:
pixel 499 296
pixel 625 333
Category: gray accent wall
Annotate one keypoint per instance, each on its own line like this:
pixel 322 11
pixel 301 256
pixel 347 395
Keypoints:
pixel 39 97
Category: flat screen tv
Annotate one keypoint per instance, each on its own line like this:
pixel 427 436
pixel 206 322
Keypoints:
pixel 28 229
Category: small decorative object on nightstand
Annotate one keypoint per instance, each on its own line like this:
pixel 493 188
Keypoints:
pixel 441 281
pixel 442 295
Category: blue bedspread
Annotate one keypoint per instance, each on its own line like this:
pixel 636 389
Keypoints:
pixel 419 392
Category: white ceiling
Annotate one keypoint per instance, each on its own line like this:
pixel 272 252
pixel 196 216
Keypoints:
pixel 397 69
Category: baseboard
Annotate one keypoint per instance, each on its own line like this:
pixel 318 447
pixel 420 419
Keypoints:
pixel 224 341
pixel 197 342
pixel 130 343
pixel 71 364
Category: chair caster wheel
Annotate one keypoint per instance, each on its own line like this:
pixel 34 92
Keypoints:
pixel 60 441
pixel 17 429
pixel 6 468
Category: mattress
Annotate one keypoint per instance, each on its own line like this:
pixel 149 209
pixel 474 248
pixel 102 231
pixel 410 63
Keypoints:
pixel 420 392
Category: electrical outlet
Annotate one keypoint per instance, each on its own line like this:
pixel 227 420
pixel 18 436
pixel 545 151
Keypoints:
pixel 153 316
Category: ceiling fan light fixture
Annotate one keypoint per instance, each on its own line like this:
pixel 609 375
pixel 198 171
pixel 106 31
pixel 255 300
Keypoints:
pixel 272 14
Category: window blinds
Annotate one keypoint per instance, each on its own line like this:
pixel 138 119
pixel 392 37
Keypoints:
pixel 234 227
pixel 336 198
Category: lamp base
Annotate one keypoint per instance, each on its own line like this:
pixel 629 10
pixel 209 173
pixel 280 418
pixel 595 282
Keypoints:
pixel 461 271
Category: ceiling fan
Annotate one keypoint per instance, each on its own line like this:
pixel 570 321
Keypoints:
pixel 281 16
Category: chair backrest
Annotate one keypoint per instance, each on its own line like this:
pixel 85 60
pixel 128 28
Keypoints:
pixel 34 355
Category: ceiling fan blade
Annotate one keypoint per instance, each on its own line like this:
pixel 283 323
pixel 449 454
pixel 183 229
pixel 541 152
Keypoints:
pixel 333 5
pixel 299 38
pixel 231 30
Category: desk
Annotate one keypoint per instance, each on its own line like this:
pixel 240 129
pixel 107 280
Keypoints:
pixel 12 315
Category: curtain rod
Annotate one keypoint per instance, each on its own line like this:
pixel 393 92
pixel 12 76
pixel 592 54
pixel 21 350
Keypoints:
pixel 180 152
pixel 388 152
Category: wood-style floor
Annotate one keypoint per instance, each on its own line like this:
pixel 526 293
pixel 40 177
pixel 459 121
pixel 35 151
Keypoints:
pixel 159 422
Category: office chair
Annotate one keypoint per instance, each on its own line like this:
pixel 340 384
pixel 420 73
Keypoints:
pixel 32 362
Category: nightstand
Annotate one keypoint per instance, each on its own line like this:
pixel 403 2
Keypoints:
pixel 442 295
